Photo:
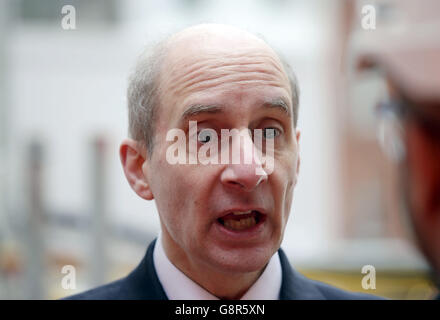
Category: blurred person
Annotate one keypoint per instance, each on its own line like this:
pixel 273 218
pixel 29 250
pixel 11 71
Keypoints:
pixel 221 224
pixel 409 62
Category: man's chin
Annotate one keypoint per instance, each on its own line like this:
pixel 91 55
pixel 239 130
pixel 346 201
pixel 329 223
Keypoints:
pixel 241 260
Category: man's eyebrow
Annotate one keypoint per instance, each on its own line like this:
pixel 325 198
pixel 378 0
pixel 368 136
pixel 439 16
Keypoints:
pixel 197 109
pixel 278 103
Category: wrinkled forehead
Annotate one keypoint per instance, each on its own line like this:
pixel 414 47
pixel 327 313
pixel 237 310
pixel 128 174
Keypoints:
pixel 214 53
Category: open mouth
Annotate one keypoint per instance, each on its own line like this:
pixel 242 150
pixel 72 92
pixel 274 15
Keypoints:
pixel 241 220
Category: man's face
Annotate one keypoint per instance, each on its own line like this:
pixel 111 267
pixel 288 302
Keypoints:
pixel 240 77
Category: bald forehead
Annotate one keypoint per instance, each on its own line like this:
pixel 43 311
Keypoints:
pixel 215 40
pixel 215 34
pixel 203 48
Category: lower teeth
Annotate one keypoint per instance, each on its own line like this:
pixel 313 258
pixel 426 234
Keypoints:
pixel 240 224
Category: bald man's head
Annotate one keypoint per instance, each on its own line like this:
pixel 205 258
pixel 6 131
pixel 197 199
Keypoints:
pixel 160 70
pixel 216 35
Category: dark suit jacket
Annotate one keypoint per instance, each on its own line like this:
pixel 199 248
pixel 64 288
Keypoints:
pixel 143 283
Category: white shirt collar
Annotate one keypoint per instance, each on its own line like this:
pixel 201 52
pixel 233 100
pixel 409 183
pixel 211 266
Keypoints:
pixel 178 286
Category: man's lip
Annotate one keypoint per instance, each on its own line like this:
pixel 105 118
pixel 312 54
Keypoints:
pixel 229 211
pixel 238 237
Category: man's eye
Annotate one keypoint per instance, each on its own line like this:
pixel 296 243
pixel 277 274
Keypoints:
pixel 271 133
pixel 205 135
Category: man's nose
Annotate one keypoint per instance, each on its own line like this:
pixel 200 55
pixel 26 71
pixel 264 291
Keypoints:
pixel 248 173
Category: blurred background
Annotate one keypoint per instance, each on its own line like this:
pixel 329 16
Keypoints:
pixel 64 199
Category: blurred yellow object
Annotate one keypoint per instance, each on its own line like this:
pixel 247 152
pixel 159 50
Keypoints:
pixel 392 284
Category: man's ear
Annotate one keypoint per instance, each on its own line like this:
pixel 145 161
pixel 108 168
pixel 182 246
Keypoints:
pixel 133 158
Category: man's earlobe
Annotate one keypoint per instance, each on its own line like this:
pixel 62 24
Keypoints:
pixel 133 158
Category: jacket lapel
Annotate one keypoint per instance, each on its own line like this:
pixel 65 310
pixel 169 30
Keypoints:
pixel 142 282
pixel 294 285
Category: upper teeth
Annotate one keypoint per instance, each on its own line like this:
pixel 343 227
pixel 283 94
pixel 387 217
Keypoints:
pixel 237 213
